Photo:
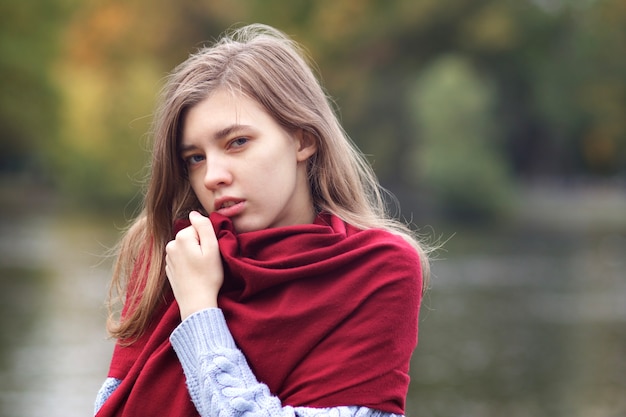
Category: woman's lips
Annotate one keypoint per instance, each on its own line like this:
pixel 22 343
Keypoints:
pixel 230 208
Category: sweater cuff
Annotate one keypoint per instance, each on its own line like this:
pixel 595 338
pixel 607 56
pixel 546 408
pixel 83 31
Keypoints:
pixel 202 332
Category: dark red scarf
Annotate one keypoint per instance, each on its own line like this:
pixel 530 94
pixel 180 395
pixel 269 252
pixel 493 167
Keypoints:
pixel 325 314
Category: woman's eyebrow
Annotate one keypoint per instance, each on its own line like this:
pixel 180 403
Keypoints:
pixel 186 148
pixel 229 130
pixel 219 135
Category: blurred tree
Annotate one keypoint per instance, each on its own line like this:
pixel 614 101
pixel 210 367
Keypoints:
pixel 561 87
pixel 582 88
pixel 455 157
pixel 29 101
pixel 115 56
pixel 555 76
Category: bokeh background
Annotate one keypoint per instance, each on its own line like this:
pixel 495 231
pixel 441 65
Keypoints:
pixel 500 126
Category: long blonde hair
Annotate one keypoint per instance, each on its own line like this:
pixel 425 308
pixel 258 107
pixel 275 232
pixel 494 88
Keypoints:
pixel 265 65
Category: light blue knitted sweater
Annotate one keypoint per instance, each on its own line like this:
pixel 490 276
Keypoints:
pixel 219 379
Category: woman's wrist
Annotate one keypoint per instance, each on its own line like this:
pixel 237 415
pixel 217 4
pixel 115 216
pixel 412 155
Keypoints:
pixel 187 309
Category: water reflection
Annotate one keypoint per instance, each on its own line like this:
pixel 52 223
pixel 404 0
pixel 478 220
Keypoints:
pixel 517 324
pixel 53 347
pixel 20 303
pixel 525 325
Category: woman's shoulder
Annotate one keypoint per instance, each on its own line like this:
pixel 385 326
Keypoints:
pixel 386 239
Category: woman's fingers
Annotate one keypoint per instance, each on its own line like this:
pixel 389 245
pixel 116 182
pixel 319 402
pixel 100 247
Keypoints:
pixel 193 266
pixel 204 231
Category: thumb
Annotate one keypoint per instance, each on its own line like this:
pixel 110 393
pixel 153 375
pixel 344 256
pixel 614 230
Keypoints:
pixel 204 230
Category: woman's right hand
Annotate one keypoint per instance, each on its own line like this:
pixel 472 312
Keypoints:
pixel 193 266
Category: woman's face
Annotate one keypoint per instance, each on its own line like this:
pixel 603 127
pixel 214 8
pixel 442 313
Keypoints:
pixel 245 166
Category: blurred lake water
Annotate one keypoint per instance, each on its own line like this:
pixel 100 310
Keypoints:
pixel 525 325
pixel 527 321
pixel 53 346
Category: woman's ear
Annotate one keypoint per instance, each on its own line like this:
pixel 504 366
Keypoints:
pixel 306 145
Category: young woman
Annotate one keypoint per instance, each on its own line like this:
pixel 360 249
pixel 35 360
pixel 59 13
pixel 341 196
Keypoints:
pixel 263 276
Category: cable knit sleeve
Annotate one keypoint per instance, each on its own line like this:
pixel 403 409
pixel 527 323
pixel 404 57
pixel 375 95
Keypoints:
pixel 222 384
pixel 108 387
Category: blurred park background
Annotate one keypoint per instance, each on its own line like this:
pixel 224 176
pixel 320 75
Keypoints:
pixel 500 125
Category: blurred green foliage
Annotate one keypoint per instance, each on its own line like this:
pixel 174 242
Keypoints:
pixel 29 101
pixel 459 152
pixel 455 99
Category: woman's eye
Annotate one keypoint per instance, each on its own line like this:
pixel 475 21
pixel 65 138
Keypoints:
pixel 194 159
pixel 236 143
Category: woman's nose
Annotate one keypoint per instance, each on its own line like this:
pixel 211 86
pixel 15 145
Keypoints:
pixel 217 173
